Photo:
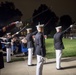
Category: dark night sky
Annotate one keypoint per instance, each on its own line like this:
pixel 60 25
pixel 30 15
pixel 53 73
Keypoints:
pixel 60 7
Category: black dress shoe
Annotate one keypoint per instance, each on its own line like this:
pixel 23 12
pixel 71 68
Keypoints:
pixel 59 68
pixel 32 65
pixel 29 65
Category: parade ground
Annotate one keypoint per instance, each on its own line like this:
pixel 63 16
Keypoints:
pixel 20 67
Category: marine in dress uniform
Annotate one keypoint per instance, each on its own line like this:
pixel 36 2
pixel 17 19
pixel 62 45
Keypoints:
pixel 58 44
pixel 40 49
pixel 2 32
pixel 8 47
pixel 30 45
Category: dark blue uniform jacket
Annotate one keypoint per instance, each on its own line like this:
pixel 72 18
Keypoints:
pixel 40 44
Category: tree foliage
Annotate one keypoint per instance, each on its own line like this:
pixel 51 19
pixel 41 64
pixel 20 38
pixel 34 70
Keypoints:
pixel 65 21
pixel 45 16
pixel 9 13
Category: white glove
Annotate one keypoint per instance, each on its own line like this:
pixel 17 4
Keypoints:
pixel 71 26
pixel 17 32
pixel 17 22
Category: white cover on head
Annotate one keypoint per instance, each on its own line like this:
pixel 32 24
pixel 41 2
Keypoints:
pixel 29 29
pixel 58 27
pixel 40 25
pixel 8 33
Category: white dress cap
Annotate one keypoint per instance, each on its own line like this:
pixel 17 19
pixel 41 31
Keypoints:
pixel 29 29
pixel 40 25
pixel 58 27
pixel 8 33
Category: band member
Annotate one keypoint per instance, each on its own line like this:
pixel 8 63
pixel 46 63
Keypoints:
pixel 58 44
pixel 40 49
pixel 8 47
pixel 30 45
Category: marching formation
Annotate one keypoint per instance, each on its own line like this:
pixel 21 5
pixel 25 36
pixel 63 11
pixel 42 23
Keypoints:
pixel 35 45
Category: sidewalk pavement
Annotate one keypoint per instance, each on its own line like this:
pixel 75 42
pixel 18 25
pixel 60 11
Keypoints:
pixel 21 67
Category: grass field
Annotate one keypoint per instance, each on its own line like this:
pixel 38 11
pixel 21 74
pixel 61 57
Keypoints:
pixel 69 51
